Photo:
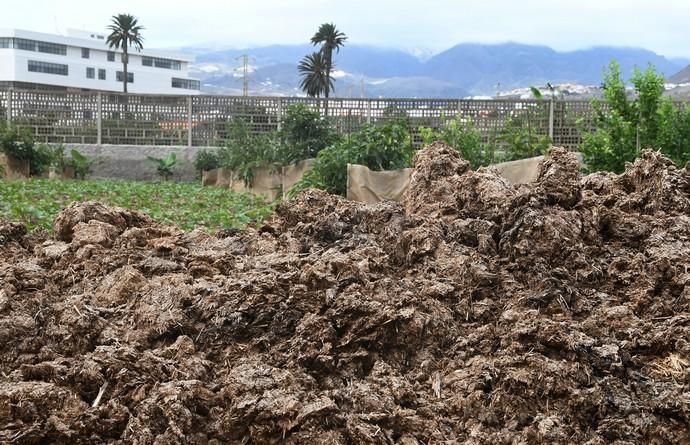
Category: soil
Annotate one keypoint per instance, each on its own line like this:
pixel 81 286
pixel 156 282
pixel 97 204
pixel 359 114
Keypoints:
pixel 474 312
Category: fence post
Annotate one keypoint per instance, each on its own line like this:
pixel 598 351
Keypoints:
pixel 99 118
pixel 279 113
pixel 368 111
pixel 551 119
pixel 9 105
pixel 189 121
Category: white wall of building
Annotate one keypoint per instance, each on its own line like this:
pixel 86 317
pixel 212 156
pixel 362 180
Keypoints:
pixel 147 79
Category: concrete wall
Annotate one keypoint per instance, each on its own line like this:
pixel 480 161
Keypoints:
pixel 131 162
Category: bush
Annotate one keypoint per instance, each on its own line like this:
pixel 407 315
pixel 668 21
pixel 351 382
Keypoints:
pixel 245 152
pixel 380 147
pixel 80 164
pixel 165 166
pixel 303 134
pixel 624 125
pixel 520 138
pixel 673 136
pixel 42 158
pixel 16 143
pixel 206 160
pixel 462 136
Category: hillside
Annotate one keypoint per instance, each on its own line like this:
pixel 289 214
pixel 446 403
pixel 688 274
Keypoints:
pixel 465 69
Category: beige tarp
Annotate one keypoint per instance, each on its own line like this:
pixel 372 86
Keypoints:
pixel 268 181
pixel 521 171
pixel 365 185
pixel 14 169
pixel 293 173
pixel 369 186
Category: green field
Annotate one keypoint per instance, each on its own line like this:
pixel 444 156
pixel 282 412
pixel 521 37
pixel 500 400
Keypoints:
pixel 36 202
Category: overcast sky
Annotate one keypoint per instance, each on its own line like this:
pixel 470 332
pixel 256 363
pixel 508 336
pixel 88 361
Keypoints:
pixel 660 25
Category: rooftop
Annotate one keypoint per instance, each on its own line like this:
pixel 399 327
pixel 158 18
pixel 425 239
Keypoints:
pixel 83 39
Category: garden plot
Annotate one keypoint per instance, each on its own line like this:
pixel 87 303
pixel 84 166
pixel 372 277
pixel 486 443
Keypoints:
pixel 474 311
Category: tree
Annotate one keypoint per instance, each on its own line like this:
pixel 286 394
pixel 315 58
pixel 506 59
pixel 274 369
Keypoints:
pixel 625 125
pixel 315 80
pixel 126 32
pixel 330 39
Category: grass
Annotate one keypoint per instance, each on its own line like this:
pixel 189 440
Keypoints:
pixel 36 202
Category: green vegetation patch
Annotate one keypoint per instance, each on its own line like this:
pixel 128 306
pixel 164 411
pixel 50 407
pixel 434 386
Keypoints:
pixel 36 202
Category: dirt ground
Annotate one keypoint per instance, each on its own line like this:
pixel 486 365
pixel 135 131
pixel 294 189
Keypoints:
pixel 474 312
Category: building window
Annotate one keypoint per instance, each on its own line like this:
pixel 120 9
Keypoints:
pixel 161 63
pixel 111 56
pixel 34 45
pixel 85 53
pixel 187 84
pixel 5 42
pixel 119 75
pixel 48 68
pixel 101 74
pixel 51 48
pixel 24 44
pixel 90 73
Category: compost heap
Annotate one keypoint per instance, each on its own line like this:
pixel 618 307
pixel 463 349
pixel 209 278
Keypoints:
pixel 474 312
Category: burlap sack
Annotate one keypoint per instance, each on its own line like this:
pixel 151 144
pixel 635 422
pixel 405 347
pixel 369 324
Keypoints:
pixel 369 186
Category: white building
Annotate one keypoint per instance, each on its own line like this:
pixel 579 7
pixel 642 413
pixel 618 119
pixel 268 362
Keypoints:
pixel 83 61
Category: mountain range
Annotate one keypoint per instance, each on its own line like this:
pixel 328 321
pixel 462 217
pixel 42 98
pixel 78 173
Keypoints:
pixel 467 69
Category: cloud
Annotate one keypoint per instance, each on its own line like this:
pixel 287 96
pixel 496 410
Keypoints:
pixel 435 24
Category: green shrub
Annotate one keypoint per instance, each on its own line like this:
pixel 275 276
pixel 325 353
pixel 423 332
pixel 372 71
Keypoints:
pixel 673 136
pixel 303 134
pixel 520 138
pixel 165 166
pixel 206 160
pixel 462 136
pixel 380 147
pixel 16 143
pixel 80 164
pixel 625 125
pixel 245 152
pixel 42 158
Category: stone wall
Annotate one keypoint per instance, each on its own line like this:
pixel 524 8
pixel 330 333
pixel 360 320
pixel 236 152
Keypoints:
pixel 131 161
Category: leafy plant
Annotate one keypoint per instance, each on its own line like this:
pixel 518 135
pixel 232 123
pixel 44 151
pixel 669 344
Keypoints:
pixel 244 152
pixel 42 158
pixel 303 134
pixel 206 160
pixel 16 143
pixel 521 139
pixel 462 136
pixel 386 146
pixel 165 166
pixel 673 136
pixel 36 202
pixel 624 125
pixel 80 163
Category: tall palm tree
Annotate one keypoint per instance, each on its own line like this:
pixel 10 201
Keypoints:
pixel 126 32
pixel 330 39
pixel 314 78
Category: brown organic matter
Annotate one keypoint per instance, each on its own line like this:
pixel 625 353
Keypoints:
pixel 474 312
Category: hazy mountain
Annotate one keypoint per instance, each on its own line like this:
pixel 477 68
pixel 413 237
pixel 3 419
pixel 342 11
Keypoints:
pixel 682 76
pixel 479 68
pixel 464 69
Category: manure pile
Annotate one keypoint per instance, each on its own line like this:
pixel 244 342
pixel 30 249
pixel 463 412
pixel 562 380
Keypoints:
pixel 474 312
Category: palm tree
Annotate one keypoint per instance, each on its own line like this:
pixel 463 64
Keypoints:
pixel 126 32
pixel 314 78
pixel 330 39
